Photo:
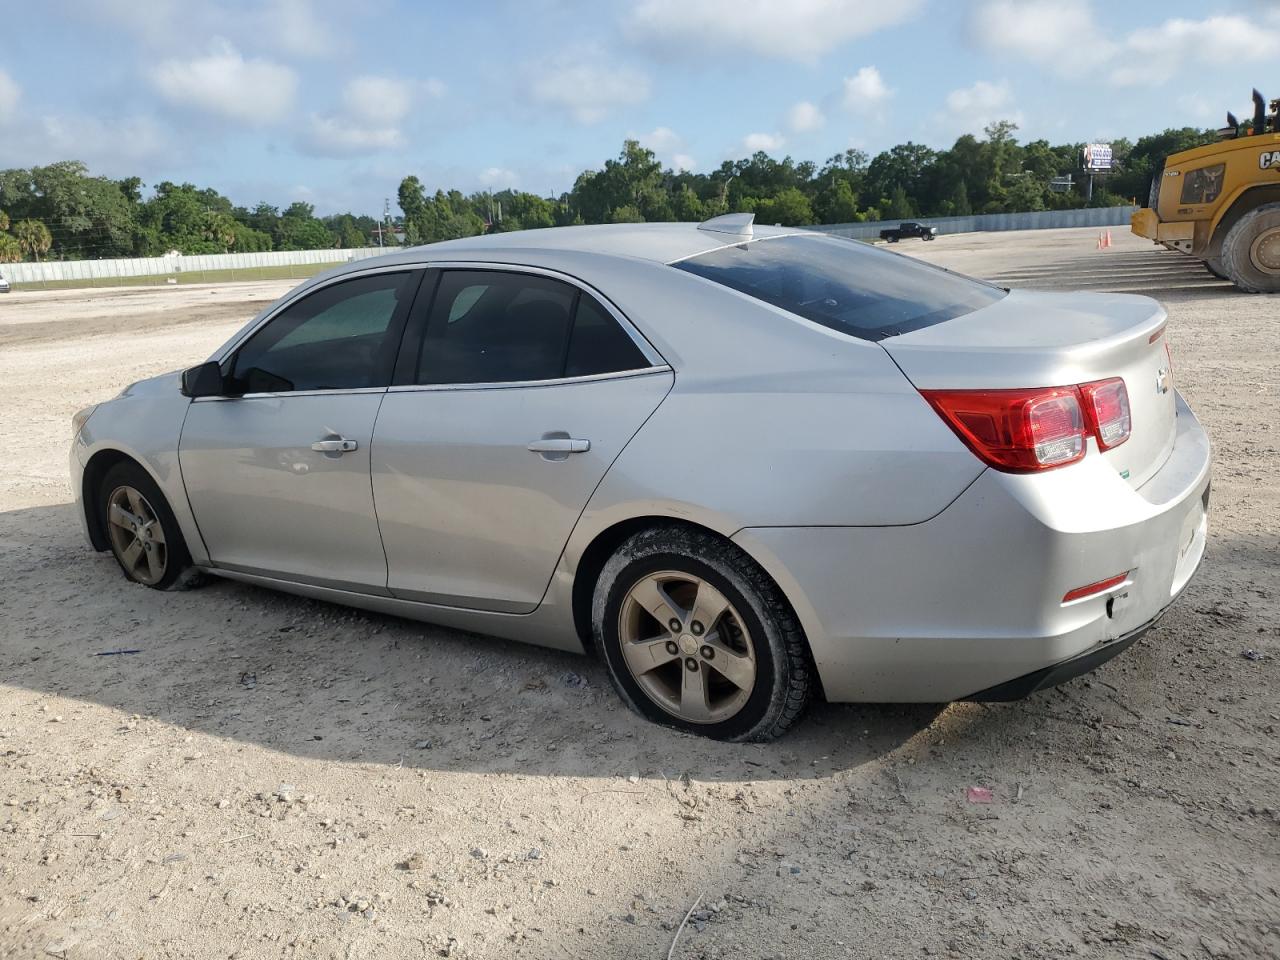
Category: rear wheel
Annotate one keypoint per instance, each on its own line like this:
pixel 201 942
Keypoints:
pixel 143 533
pixel 696 636
pixel 1251 250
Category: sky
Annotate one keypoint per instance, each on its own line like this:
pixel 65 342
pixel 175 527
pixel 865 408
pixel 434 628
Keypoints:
pixel 335 102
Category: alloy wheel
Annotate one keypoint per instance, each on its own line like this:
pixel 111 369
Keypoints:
pixel 137 536
pixel 687 647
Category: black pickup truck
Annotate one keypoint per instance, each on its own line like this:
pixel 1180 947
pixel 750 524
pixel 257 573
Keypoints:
pixel 909 229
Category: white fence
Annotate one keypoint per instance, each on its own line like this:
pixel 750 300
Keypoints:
pixel 115 271
pixel 1037 220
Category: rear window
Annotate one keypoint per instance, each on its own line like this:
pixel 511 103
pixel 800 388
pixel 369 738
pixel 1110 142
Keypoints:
pixel 843 284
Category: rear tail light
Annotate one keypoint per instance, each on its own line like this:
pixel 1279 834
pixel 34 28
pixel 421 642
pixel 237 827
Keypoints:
pixel 1092 589
pixel 1020 431
pixel 1024 431
pixel 1106 405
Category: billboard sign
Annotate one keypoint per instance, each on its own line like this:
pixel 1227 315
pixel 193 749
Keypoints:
pixel 1097 157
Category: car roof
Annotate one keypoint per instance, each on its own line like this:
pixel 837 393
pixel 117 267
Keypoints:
pixel 658 242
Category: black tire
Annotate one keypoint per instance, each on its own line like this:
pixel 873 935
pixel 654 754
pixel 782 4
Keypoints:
pixel 1214 266
pixel 1238 250
pixel 178 572
pixel 893 239
pixel 784 679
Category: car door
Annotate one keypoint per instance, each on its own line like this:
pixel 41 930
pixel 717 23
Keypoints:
pixel 277 471
pixel 512 398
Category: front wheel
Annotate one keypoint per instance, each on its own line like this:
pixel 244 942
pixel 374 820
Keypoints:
pixel 1214 266
pixel 1251 250
pixel 696 636
pixel 144 535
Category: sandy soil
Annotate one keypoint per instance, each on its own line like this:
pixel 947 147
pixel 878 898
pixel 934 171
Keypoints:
pixel 272 777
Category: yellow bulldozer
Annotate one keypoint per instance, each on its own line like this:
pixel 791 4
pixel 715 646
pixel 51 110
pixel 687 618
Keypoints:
pixel 1220 203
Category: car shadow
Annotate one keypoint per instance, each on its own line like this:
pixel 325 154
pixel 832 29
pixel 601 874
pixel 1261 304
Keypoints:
pixel 325 682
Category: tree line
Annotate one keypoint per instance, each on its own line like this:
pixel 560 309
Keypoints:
pixel 63 211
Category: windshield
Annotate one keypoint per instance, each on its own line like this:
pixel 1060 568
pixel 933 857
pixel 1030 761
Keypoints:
pixel 846 285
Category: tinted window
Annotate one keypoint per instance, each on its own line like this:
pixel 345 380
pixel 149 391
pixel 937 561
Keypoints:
pixel 598 344
pixel 491 327
pixel 843 284
pixel 339 338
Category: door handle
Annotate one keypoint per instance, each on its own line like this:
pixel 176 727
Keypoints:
pixel 559 445
pixel 338 445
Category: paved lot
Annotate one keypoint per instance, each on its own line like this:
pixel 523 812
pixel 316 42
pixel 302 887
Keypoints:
pixel 273 777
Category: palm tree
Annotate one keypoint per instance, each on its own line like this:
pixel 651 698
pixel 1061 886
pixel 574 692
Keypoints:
pixel 4 221
pixel 33 237
pixel 10 249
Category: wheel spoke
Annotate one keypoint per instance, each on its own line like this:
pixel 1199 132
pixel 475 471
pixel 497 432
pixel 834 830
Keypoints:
pixel 735 667
pixel 651 595
pixel 709 606
pixel 123 518
pixel 136 503
pixel 645 655
pixel 129 556
pixel 695 703
pixel 155 566
pixel 156 531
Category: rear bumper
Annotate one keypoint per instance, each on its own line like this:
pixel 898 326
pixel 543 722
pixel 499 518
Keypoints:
pixel 972 599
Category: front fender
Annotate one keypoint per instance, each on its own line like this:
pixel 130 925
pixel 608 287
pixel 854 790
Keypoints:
pixel 144 425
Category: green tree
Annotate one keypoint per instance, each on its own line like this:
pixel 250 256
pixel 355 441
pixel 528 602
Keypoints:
pixel 899 206
pixel 627 213
pixel 10 249
pixel 4 221
pixel 790 207
pixel 837 203
pixel 33 237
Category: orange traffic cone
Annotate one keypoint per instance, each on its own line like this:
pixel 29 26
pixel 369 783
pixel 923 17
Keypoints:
pixel 1108 238
pixel 1099 241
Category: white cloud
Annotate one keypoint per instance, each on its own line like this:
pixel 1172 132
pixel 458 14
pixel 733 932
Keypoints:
pixel 805 117
pixel 661 140
pixel 589 88
pixel 377 100
pixel 1155 55
pixel 10 94
pixel 368 120
pixel 865 91
pixel 499 177
pixel 113 146
pixel 797 30
pixel 330 135
pixel 224 83
pixel 1064 36
pixel 682 161
pixel 1059 34
pixel 298 27
pixel 762 141
pixel 969 109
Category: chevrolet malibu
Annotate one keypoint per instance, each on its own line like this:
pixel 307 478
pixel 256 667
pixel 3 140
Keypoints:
pixel 747 466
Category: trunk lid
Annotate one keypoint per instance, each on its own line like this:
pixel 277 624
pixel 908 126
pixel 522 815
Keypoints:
pixel 1031 339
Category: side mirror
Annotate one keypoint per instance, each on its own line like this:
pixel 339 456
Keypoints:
pixel 202 381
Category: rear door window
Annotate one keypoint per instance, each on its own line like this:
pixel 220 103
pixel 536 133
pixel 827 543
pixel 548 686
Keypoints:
pixel 846 285
pixel 504 327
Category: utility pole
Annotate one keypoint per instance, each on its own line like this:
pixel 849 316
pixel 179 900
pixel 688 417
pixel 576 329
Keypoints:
pixel 386 215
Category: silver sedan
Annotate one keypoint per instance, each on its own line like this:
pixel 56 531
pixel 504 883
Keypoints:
pixel 746 466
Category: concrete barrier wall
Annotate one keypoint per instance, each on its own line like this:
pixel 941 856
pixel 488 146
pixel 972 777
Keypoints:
pixel 62 270
pixel 1038 220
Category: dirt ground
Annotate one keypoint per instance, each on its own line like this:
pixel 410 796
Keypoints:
pixel 274 777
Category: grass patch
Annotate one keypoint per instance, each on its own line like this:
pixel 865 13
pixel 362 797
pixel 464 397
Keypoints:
pixel 298 271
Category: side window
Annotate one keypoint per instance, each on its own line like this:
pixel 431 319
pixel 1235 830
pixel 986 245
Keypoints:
pixel 598 344
pixel 492 327
pixel 341 337
pixel 489 327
